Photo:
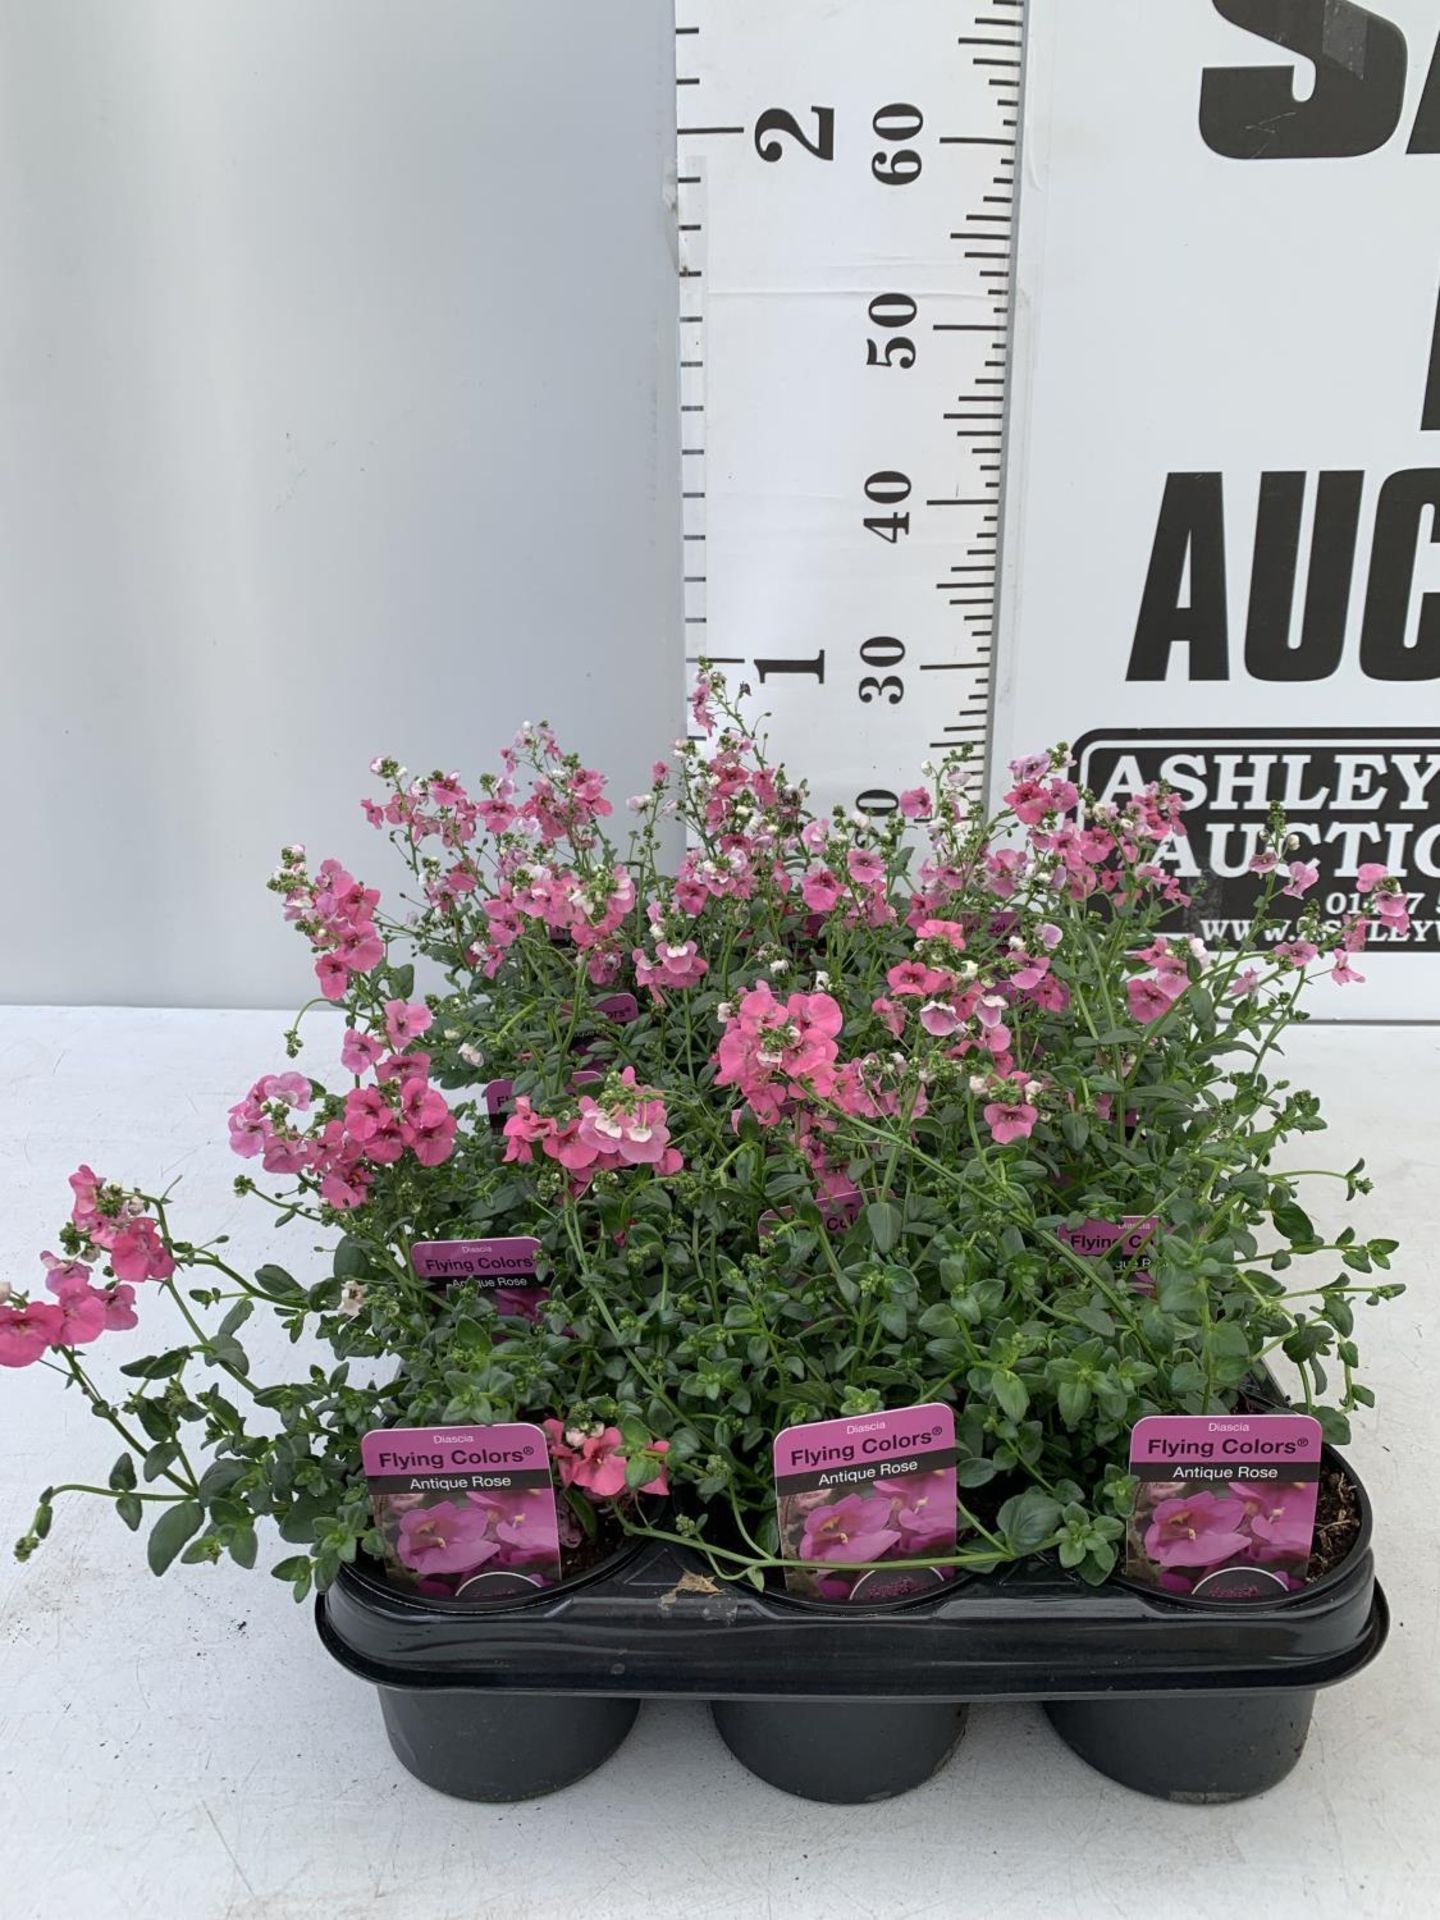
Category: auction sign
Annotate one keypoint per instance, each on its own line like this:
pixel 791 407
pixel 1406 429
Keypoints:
pixel 1220 553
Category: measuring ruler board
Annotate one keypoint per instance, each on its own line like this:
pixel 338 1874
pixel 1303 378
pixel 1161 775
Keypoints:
pixel 846 195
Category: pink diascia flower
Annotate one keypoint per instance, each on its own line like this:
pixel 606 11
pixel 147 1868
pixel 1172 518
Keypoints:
pixel 1195 1530
pixel 1010 1119
pixel 406 1021
pixel 597 1462
pixel 445 1538
pixel 26 1332
pixel 915 803
pixel 1301 878
pixel 676 964
pixel 853 1528
pixel 359 1051
pixel 1296 953
pixel 819 889
pixel 1148 998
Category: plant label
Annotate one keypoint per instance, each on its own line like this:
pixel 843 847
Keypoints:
pixel 1225 1507
pixel 465 1513
pixel 1129 1244
pixel 499 1101
pixel 505 1268
pixel 875 1486
pixel 838 1212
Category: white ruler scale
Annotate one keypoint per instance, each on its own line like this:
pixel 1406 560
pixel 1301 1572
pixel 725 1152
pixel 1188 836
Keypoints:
pixel 847 178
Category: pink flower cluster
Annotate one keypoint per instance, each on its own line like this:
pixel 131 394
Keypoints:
pixel 1151 995
pixel 116 1222
pixel 779 1054
pixel 587 912
pixel 676 963
pixel 593 1458
pixel 370 1127
pixel 1076 857
pixel 336 914
pixel 110 1224
pixel 627 1127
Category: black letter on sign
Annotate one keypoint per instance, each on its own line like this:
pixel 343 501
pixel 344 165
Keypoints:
pixel 1251 113
pixel 1268 652
pixel 1383 652
pixel 1430 411
pixel 1191 527
pixel 1425 137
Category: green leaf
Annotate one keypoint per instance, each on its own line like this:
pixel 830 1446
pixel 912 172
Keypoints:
pixel 170 1532
pixel 1011 1392
pixel 160 1459
pixel 884 1222
pixel 351 1260
pixel 243 1545
pixel 158 1366
pixel 122 1474
pixel 276 1284
pixel 1294 1223
pixel 1028 1519
pixel 1334 1426
pixel 236 1317
pixel 1074 1398
pixel 131 1510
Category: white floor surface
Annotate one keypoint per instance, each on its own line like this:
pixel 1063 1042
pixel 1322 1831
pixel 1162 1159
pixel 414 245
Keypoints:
pixel 181 1749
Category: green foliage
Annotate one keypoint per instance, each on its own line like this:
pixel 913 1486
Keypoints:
pixel 887 1251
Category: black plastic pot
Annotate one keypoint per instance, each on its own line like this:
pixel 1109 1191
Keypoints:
pixel 844 1751
pixel 474 1741
pixel 1179 1698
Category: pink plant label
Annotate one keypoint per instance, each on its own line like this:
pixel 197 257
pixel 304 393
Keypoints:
pixel 1225 1507
pixel 507 1262
pixel 506 1269
pixel 838 1211
pixel 622 1008
pixel 499 1101
pixel 874 1487
pixel 465 1513
pixel 1129 1244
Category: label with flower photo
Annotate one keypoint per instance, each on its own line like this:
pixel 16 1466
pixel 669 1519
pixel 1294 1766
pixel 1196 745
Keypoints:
pixel 875 1486
pixel 1128 1244
pixel 465 1513
pixel 506 1268
pixel 1225 1507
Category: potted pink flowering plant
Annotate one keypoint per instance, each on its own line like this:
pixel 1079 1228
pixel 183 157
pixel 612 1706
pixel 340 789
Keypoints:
pixel 841 1116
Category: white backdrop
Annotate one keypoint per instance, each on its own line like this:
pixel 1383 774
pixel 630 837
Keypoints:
pixel 336 416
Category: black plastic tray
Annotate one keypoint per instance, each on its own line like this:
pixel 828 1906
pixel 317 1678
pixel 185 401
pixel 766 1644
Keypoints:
pixel 1176 1697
